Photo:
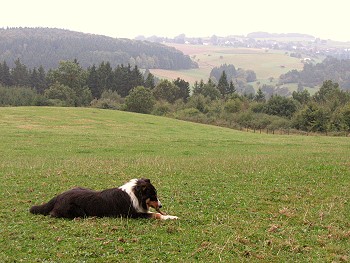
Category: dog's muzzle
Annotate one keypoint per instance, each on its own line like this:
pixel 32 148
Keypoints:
pixel 155 204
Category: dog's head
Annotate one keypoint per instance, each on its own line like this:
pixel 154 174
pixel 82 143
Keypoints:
pixel 147 194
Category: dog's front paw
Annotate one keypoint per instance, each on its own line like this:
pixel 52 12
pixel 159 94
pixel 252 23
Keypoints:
pixel 166 217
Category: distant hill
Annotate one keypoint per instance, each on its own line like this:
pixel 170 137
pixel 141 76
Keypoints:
pixel 275 35
pixel 48 46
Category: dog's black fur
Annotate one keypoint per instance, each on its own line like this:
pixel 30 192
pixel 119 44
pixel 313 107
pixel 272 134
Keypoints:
pixel 130 200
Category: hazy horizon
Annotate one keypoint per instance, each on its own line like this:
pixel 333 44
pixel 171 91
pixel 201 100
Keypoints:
pixel 192 18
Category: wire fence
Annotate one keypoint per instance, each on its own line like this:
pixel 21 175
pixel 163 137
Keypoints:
pixel 295 132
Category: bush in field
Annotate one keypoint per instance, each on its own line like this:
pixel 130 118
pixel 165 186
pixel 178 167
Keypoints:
pixel 312 118
pixel 346 116
pixel 20 96
pixel 191 114
pixel 278 123
pixel 161 108
pixel 215 109
pixel 140 100
pixel 167 91
pixel 109 100
pixel 281 106
pixel 60 95
pixel 233 105
pixel 199 102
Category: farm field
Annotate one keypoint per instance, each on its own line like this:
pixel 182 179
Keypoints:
pixel 265 64
pixel 240 197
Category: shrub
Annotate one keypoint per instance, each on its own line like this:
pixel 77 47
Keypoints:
pixel 191 114
pixel 60 95
pixel 109 100
pixel 140 100
pixel 161 108
pixel 281 106
pixel 198 102
pixel 20 96
pixel 233 105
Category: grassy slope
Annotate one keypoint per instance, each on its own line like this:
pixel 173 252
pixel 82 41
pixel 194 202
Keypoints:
pixel 240 196
pixel 264 64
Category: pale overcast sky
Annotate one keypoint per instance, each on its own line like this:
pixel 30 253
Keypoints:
pixel 196 18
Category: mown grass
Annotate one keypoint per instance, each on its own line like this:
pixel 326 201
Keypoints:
pixel 239 196
pixel 265 64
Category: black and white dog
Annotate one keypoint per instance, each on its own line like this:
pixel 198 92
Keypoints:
pixel 132 200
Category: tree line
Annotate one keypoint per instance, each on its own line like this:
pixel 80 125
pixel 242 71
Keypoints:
pixel 212 102
pixel 72 85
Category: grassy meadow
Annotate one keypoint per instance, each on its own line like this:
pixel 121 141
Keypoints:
pixel 240 197
pixel 264 63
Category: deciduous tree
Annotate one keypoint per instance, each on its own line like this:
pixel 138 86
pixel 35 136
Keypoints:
pixel 166 90
pixel 70 74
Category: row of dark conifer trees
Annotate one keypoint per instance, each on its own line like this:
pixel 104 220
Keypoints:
pixel 98 78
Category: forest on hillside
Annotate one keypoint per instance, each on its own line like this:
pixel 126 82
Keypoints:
pixel 312 75
pixel 45 47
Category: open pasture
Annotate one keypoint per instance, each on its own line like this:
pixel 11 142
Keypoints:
pixel 240 197
pixel 265 64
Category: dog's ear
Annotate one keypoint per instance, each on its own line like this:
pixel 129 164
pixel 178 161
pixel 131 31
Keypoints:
pixel 142 184
pixel 139 188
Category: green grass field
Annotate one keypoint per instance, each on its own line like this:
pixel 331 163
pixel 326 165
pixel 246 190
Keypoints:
pixel 240 197
pixel 265 64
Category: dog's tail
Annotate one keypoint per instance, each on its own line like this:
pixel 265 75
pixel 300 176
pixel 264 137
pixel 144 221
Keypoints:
pixel 43 209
